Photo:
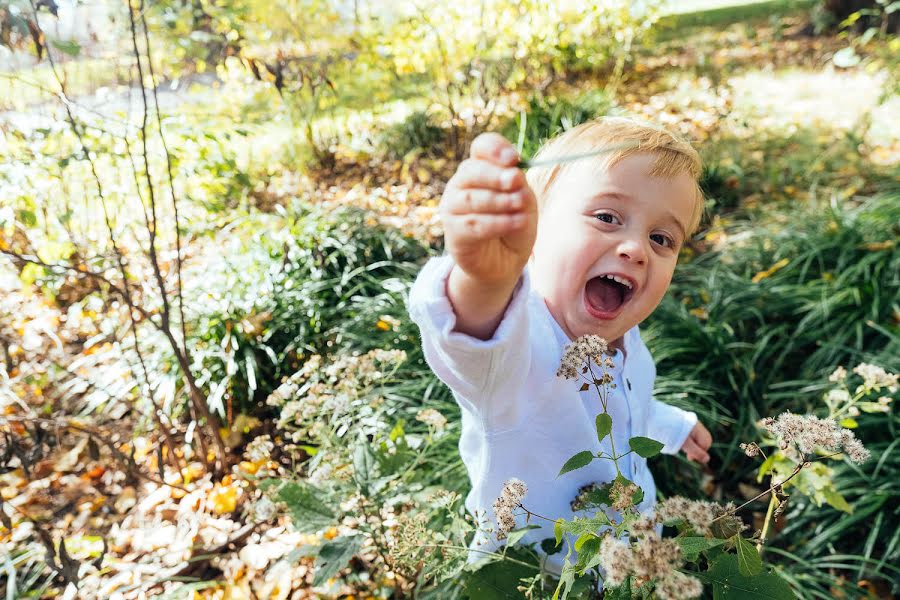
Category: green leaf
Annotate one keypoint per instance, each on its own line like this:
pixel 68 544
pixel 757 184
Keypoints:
pixel 397 431
pixel 517 534
pixel 557 530
pixel 729 584
pixel 581 459
pixel 363 465
pixel 836 500
pixel 334 556
pixel 69 47
pixel 497 580
pixel 645 447
pixel 692 546
pixel 308 510
pixel 604 425
pixel 749 561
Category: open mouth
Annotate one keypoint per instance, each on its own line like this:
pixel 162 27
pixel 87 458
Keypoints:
pixel 606 294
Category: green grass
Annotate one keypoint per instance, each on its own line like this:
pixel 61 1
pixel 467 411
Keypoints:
pixel 719 13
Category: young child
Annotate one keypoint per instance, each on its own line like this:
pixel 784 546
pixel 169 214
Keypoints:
pixel 533 262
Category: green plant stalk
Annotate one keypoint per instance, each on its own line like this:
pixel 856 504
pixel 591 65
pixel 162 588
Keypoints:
pixel 612 443
pixel 767 522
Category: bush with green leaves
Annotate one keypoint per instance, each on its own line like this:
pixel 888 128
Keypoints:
pixel 750 329
pixel 310 282
pixel 418 131
pixel 547 116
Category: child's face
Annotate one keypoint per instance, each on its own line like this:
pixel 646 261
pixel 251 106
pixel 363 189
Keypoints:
pixel 617 221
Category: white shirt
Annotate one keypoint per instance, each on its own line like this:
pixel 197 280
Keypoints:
pixel 520 420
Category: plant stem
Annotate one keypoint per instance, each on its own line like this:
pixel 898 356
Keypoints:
pixel 494 554
pixel 771 510
pixel 763 493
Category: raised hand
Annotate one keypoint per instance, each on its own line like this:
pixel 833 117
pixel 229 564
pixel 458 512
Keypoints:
pixel 490 213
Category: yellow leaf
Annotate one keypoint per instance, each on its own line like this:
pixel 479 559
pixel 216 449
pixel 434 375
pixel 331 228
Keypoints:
pixel 770 271
pixel 885 245
pixel 700 313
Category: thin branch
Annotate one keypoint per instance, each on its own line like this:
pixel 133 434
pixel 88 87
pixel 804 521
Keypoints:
pixel 169 170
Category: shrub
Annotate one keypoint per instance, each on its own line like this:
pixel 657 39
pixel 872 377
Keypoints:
pixel 418 131
pixel 547 116
pixel 749 330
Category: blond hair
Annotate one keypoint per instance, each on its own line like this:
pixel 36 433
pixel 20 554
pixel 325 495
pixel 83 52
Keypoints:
pixel 673 155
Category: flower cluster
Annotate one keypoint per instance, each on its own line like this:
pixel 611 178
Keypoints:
pixel 752 449
pixel 621 494
pixel 577 354
pixel 432 418
pixel 650 558
pixel 317 393
pixel 799 435
pixel 699 514
pixel 260 449
pixel 510 498
pixel 875 378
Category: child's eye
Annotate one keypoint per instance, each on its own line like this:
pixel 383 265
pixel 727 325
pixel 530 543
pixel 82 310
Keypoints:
pixel 662 240
pixel 606 217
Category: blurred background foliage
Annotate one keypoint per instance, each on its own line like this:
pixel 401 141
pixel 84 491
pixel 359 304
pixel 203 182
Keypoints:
pixel 211 214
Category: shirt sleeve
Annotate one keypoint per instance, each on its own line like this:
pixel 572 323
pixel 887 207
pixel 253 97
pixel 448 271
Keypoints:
pixel 670 425
pixel 482 372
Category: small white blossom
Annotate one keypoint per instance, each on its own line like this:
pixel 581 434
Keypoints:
pixel 621 495
pixel 875 378
pixel 837 396
pixel 838 375
pixel 678 586
pixel 649 558
pixel 432 418
pixel 510 498
pixel 799 435
pixel 752 449
pixel 699 514
pixel 260 449
pixel 578 353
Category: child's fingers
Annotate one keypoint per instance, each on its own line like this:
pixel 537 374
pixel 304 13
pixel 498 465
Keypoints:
pixel 473 173
pixel 695 452
pixel 495 148
pixel 472 227
pixel 473 200
pixel 702 436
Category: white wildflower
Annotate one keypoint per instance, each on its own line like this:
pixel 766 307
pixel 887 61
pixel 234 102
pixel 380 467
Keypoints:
pixel 799 435
pixel 621 495
pixel 510 498
pixel 615 558
pixel 875 378
pixel 837 396
pixel 752 449
pixel 432 418
pixel 839 374
pixel 650 558
pixel 699 514
pixel 678 586
pixel 260 449
pixel 577 354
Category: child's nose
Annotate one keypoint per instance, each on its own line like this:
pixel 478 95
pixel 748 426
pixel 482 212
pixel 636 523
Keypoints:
pixel 633 250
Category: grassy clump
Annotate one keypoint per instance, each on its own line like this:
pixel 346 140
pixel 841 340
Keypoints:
pixel 547 116
pixel 752 330
pixel 417 132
